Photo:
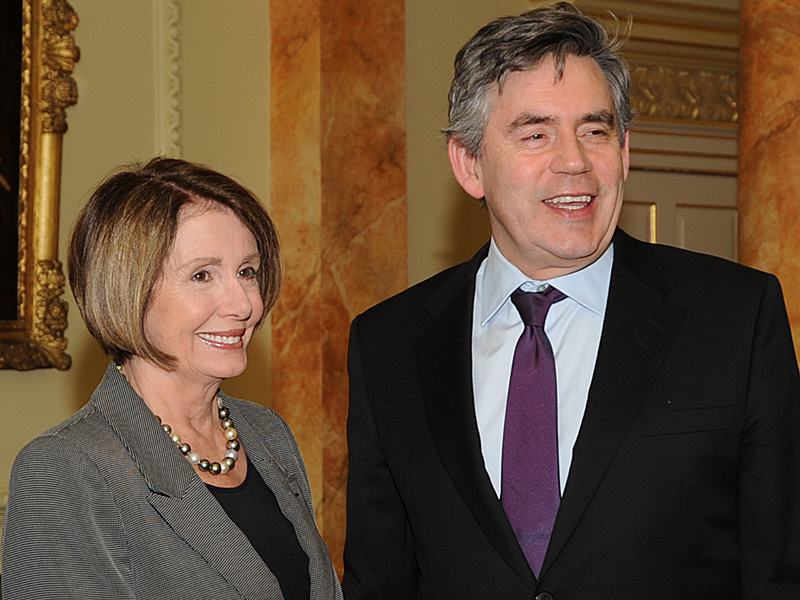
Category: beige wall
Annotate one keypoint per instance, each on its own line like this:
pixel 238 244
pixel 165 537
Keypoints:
pixel 225 70
pixel 225 122
pixel 445 225
pixel 225 114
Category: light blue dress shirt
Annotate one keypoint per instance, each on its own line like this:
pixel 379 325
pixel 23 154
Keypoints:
pixel 573 326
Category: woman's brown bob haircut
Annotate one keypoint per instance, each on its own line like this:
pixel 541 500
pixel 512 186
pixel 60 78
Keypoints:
pixel 124 235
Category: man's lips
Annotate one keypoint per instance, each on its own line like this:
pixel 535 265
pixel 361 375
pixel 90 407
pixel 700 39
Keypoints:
pixel 569 202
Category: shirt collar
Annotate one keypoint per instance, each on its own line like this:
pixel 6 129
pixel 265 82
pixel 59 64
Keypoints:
pixel 497 279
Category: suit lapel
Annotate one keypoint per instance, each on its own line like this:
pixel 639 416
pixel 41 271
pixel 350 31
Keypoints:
pixel 638 330
pixel 444 360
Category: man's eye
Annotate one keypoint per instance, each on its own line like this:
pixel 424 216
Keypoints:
pixel 597 132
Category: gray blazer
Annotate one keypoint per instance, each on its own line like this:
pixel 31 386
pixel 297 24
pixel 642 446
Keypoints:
pixel 103 506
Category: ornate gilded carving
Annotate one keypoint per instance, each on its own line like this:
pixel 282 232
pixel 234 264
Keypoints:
pixel 687 94
pixel 49 309
pixel 35 339
pixel 59 55
pixel 47 344
pixel 24 156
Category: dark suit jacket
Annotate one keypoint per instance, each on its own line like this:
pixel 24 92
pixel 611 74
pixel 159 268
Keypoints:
pixel 103 506
pixel 685 477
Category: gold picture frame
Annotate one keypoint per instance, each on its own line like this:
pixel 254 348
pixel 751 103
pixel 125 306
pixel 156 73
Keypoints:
pixel 35 338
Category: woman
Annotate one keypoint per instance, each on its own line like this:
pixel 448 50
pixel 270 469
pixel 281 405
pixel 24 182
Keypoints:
pixel 162 486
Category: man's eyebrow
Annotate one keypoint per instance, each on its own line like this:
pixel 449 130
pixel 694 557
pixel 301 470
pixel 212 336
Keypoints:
pixel 528 118
pixel 605 117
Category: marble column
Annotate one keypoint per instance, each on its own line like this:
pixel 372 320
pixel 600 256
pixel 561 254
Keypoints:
pixel 339 200
pixel 769 179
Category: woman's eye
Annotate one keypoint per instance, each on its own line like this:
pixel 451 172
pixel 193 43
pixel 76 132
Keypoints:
pixel 200 276
pixel 247 273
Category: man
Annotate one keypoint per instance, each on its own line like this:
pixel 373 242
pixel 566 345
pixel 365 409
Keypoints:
pixel 674 447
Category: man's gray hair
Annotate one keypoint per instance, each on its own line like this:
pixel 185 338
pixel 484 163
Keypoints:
pixel 522 42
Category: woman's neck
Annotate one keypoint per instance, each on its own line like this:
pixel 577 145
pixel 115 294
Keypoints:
pixel 174 397
pixel 191 410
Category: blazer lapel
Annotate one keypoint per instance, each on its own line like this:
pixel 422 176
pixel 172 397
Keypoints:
pixel 638 330
pixel 444 360
pixel 246 571
pixel 178 494
pixel 294 500
pixel 200 520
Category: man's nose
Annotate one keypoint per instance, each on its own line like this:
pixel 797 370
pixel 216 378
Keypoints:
pixel 570 156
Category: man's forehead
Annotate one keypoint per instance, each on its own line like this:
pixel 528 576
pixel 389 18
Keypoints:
pixel 553 67
pixel 556 62
pixel 536 84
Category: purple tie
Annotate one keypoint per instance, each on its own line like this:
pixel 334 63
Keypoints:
pixel 530 490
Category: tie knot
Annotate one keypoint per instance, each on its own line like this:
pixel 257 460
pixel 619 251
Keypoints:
pixel 533 306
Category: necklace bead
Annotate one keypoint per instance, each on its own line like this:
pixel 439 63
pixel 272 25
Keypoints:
pixel 232 445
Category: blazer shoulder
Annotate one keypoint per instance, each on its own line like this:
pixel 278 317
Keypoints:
pixel 84 442
pixel 273 430
pixel 253 411
pixel 81 430
pixel 263 419
pixel 72 443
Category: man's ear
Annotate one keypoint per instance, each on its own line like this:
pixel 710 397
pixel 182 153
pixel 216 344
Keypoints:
pixel 465 168
pixel 626 155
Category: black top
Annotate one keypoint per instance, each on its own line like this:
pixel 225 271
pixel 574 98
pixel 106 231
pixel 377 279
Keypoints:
pixel 254 509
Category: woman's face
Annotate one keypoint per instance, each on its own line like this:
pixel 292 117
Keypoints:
pixel 207 303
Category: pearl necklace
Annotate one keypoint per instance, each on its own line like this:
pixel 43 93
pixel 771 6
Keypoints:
pixel 232 446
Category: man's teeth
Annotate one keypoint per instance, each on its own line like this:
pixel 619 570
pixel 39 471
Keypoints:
pixel 221 339
pixel 570 202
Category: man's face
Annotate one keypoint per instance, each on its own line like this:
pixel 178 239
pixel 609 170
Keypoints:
pixel 552 168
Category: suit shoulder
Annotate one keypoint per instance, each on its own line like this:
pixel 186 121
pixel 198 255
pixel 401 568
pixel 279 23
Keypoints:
pixel 419 292
pixel 686 264
pixel 420 299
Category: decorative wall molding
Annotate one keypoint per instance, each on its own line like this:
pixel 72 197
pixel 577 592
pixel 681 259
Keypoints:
pixel 684 62
pixel 685 94
pixel 169 86
pixel 683 56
